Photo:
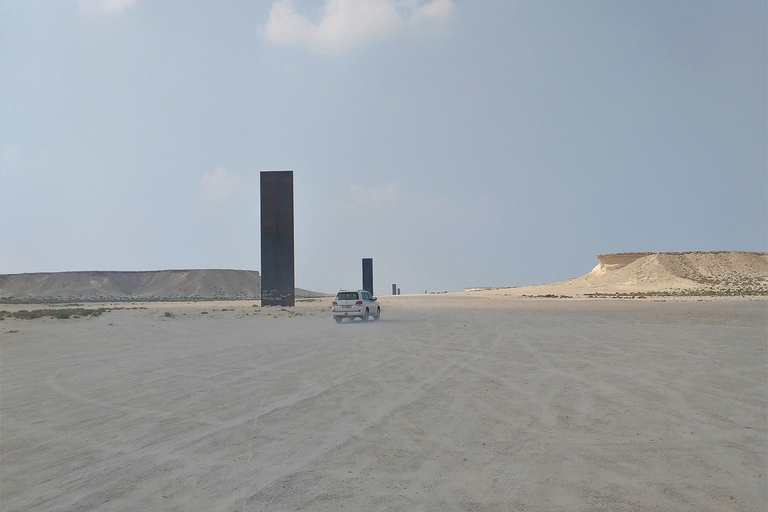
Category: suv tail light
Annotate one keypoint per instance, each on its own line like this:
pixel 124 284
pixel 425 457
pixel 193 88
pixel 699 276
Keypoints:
pixel 359 303
pixel 334 303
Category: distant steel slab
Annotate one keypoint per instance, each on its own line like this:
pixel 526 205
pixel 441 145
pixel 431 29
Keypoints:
pixel 277 256
pixel 368 275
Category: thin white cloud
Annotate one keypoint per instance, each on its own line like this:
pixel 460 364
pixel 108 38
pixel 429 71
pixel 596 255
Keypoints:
pixel 390 195
pixel 11 157
pixel 432 16
pixel 96 7
pixel 398 202
pixel 346 24
pixel 220 186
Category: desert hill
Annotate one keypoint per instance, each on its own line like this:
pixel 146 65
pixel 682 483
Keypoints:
pixel 721 271
pixel 676 273
pixel 149 285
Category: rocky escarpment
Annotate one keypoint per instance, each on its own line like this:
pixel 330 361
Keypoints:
pixel 150 285
pixel 715 272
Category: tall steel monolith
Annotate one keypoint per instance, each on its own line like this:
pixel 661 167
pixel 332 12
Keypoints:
pixel 394 289
pixel 277 260
pixel 368 275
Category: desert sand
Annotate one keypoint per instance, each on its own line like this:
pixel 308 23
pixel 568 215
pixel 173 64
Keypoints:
pixel 458 402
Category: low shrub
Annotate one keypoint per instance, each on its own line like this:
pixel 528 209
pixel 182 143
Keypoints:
pixel 57 313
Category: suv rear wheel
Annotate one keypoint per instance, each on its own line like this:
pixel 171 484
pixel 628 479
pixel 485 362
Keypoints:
pixel 365 315
pixel 338 319
pixel 378 314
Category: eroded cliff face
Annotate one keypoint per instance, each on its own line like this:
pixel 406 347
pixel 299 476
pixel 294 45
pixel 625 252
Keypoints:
pixel 609 262
pixel 644 274
pixel 716 271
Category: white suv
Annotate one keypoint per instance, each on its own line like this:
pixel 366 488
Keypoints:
pixel 349 304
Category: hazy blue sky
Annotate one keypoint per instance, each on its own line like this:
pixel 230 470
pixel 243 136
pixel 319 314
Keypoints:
pixel 458 143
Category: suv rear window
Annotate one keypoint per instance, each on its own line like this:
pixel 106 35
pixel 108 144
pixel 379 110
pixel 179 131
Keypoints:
pixel 346 296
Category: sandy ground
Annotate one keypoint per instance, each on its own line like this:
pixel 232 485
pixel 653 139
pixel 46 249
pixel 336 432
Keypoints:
pixel 450 402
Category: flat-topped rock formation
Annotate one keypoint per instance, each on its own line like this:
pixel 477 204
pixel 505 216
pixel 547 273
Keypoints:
pixel 675 273
pixel 195 284
pixel 714 271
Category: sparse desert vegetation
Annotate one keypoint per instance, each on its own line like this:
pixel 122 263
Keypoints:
pixel 61 314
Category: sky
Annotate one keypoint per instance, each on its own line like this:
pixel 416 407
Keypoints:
pixel 457 143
